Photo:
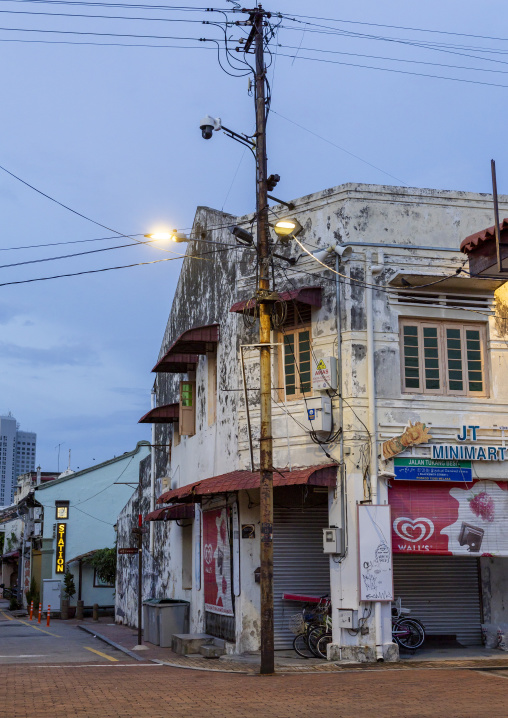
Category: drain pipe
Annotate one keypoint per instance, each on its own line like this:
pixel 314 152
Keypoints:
pixel 370 271
pixel 152 476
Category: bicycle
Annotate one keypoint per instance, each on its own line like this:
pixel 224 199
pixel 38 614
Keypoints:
pixel 312 616
pixel 409 633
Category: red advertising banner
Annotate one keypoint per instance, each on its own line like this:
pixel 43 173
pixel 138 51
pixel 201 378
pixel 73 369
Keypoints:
pixel 217 562
pixel 450 519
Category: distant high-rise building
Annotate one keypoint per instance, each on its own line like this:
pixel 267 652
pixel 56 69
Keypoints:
pixel 17 456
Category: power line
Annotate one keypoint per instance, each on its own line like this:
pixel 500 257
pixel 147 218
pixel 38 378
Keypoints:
pixel 392 59
pixel 398 27
pixel 343 149
pixel 56 244
pixel 391 69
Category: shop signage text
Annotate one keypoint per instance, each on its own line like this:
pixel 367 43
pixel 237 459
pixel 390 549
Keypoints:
pixel 469 452
pixel 419 469
pixel 60 547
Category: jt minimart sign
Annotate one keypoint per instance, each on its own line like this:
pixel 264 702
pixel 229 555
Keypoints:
pixel 469 452
pixel 60 547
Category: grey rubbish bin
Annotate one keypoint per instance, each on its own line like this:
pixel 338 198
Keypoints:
pixel 162 618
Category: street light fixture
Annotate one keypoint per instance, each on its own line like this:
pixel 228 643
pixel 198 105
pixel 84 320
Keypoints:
pixel 287 228
pixel 173 236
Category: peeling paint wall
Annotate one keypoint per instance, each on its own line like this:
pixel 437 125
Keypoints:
pixel 425 223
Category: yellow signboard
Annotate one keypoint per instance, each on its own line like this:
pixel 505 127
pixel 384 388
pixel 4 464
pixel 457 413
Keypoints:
pixel 60 547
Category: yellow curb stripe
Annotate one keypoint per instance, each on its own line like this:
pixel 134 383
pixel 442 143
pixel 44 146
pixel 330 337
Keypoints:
pixel 9 618
pixel 99 653
pixel 36 628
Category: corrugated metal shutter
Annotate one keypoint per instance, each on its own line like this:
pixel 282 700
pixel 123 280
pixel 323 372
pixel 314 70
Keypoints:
pixel 299 564
pixel 443 592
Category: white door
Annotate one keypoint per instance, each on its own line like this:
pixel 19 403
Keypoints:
pixel 51 593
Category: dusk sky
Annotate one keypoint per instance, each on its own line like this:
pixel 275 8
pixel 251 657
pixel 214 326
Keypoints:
pixel 113 132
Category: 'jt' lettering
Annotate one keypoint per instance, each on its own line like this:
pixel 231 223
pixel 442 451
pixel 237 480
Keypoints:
pixel 463 436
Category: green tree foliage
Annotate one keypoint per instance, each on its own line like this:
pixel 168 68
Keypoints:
pixel 104 563
pixel 69 585
pixel 33 594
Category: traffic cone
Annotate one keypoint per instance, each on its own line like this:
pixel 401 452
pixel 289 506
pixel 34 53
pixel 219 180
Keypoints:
pixel 48 615
pixel 40 612
pixel 31 610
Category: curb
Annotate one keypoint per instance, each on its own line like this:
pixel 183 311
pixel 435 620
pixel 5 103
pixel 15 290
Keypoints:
pixel 113 644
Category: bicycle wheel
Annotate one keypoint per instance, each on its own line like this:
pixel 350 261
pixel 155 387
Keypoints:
pixel 313 637
pixel 301 646
pixel 409 634
pixel 321 646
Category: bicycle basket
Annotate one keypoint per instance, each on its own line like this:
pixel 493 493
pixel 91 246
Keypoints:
pixel 296 624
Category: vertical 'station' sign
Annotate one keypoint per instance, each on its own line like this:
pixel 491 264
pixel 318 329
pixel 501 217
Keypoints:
pixel 60 548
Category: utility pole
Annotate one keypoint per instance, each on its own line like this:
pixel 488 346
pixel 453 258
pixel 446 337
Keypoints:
pixel 264 300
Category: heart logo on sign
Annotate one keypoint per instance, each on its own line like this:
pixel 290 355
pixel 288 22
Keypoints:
pixel 414 530
pixel 208 552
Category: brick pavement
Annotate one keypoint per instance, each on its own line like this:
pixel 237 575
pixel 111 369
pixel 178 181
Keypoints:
pixel 158 691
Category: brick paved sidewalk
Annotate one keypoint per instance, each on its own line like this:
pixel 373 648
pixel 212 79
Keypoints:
pixel 158 691
pixel 126 638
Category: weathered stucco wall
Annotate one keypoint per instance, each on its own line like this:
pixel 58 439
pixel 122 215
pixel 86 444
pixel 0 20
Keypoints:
pixel 426 223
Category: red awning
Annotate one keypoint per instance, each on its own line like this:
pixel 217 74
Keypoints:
pixel 177 363
pixel 171 513
pixel 472 242
pixel 10 556
pixel 305 295
pixel 161 415
pixel 325 475
pixel 191 343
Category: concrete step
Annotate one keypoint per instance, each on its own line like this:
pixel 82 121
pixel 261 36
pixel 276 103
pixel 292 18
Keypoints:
pixel 188 643
pixel 210 650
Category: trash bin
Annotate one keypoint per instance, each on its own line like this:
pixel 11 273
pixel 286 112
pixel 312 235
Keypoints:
pixel 162 618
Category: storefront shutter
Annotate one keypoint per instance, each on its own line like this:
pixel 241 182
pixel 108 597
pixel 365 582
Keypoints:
pixel 443 592
pixel 299 564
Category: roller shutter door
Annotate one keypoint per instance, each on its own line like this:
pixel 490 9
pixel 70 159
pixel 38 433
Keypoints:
pixel 442 591
pixel 299 564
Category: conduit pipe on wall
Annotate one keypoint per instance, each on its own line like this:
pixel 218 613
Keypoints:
pixel 370 271
pixel 152 476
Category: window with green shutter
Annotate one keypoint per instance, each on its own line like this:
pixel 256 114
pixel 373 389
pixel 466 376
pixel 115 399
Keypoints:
pixel 443 358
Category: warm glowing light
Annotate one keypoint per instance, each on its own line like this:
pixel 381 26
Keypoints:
pixel 286 227
pixel 160 236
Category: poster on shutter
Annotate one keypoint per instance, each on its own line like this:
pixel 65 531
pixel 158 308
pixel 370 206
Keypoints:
pixel 450 520
pixel 217 562
pixel 375 553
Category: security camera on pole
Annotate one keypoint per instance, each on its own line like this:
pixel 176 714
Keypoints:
pixel 264 299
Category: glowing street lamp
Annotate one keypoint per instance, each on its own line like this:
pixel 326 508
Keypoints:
pixel 287 228
pixel 173 236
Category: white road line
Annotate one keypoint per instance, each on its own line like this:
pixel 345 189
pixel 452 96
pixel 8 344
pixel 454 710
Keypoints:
pixel 66 666
pixel 27 655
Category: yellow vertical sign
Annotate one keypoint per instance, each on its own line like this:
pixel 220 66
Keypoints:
pixel 60 547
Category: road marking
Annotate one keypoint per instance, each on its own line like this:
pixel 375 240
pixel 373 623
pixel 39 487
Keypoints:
pixel 27 655
pixel 29 625
pixel 99 653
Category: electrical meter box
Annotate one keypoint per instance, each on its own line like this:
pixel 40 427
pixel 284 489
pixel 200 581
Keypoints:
pixel 324 373
pixel 318 411
pixel 332 540
pixel 348 618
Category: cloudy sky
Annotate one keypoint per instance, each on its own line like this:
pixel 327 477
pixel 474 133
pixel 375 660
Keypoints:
pixel 112 131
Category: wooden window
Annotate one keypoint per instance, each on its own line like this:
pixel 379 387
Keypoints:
pixel 295 363
pixel 187 413
pixel 443 358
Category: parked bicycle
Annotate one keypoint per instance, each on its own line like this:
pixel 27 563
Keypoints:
pixel 409 633
pixel 310 624
pixel 9 592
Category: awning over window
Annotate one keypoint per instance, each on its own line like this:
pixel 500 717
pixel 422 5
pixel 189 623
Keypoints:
pixel 305 295
pixel 177 363
pixel 10 556
pixel 161 415
pixel 325 475
pixel 171 513
pixel 191 343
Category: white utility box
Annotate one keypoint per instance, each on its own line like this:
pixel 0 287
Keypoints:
pixel 332 540
pixel 318 411
pixel 348 618
pixel 324 373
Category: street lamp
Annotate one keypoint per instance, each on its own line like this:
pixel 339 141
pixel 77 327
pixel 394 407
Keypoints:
pixel 287 228
pixel 173 236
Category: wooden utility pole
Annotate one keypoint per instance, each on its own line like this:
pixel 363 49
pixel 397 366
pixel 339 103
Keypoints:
pixel 264 301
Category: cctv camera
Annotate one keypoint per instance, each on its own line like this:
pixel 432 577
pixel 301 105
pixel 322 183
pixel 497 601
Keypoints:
pixel 208 125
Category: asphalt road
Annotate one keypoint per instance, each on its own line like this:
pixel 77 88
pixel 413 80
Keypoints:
pixel 25 641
